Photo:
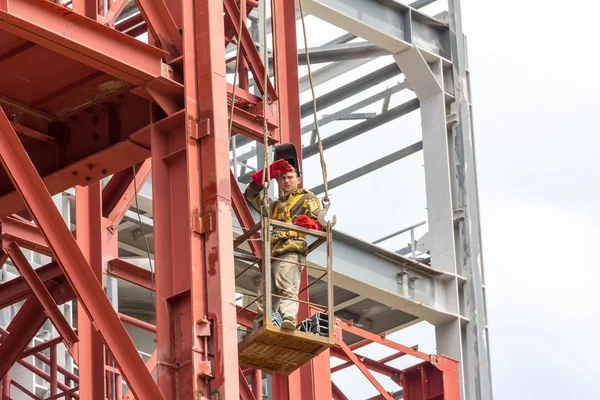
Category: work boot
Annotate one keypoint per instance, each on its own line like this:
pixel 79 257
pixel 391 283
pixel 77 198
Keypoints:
pixel 288 324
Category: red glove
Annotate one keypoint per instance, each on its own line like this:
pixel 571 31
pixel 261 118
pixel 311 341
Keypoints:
pixel 275 170
pixel 306 222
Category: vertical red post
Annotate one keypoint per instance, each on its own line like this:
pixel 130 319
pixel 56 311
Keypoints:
pixel 5 384
pixel 257 387
pixel 243 67
pixel 68 384
pixel 312 381
pixel 287 61
pixel 89 8
pixel 88 208
pixel 213 274
pixel 53 372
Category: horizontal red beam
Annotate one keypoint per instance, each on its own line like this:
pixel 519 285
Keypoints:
pixel 378 339
pixel 136 322
pixel 17 289
pixel 245 317
pixel 43 296
pixel 25 234
pixel 371 364
pixel 382 361
pixel 82 39
pixel 232 12
pixel 131 273
pixel 36 352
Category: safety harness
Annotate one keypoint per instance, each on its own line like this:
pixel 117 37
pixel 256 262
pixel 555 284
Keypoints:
pixel 282 212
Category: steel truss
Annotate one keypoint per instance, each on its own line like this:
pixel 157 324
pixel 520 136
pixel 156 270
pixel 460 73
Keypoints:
pixel 162 109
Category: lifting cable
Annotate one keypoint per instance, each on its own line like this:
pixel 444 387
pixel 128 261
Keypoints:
pixel 326 201
pixel 266 172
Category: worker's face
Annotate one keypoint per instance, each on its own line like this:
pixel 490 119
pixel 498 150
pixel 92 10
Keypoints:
pixel 288 181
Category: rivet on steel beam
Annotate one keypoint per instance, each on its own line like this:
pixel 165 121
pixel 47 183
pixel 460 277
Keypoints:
pixel 104 171
pixel 90 166
pixel 87 178
pixel 74 173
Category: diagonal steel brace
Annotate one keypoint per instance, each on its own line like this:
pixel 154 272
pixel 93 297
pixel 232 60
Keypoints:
pixel 75 267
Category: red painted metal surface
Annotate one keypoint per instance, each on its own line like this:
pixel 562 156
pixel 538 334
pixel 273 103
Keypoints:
pixel 129 272
pixel 43 296
pixel 162 28
pixel 22 329
pixel 17 289
pixel 85 41
pixel 98 80
pixel 128 197
pixel 72 261
pixel 232 12
pixel 87 8
pixel 213 276
pixel 24 234
pixel 245 391
pixel 88 209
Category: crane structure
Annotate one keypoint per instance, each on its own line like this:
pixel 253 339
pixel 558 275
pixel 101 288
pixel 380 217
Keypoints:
pixel 126 239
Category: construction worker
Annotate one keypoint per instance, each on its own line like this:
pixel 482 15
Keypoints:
pixel 289 248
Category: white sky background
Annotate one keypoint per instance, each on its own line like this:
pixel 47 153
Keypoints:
pixel 536 111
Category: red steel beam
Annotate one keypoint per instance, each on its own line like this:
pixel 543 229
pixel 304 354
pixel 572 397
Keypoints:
pixel 161 26
pixel 245 317
pixel 5 385
pixel 382 361
pixel 151 366
pixel 208 164
pixel 114 190
pixel 245 391
pixel 257 384
pixel 232 12
pixel 82 39
pixel 17 289
pixel 363 369
pixel 244 216
pixel 136 322
pixel 371 364
pixel 43 296
pixel 45 376
pixel 115 9
pixel 25 390
pixel 23 328
pixel 36 352
pixel 131 273
pixel 64 394
pixel 378 339
pixel 337 394
pixel 286 54
pixel 24 234
pixel 87 8
pixel 53 372
pixel 128 197
pixel 88 214
pixel 84 283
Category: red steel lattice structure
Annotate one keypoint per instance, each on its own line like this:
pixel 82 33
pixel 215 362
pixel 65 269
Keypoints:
pixel 82 101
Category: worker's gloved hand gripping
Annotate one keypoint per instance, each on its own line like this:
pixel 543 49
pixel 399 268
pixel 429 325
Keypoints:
pixel 306 222
pixel 275 170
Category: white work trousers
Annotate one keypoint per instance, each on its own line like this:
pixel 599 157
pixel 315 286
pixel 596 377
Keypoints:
pixel 286 282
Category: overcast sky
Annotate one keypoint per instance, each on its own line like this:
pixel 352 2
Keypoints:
pixel 535 92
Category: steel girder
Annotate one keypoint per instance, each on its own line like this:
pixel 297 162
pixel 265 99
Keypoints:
pixel 72 261
pixel 432 56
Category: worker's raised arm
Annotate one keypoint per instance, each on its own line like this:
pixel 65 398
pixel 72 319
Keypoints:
pixel 254 196
pixel 254 191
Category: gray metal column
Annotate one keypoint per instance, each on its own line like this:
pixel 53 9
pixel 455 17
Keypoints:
pixel 478 383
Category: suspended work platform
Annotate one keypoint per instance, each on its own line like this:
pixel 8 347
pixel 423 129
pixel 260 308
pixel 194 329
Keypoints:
pixel 278 351
pixel 271 348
